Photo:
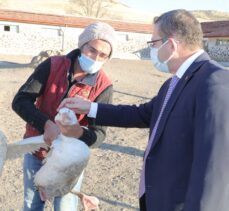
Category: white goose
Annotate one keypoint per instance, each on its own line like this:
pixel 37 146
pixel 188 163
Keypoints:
pixel 63 165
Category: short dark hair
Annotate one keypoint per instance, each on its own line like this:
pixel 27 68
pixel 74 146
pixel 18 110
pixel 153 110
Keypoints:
pixel 182 25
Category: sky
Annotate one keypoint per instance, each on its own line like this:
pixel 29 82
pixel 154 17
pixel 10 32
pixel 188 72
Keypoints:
pixel 166 5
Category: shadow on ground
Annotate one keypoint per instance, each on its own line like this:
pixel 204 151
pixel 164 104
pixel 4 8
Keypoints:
pixel 35 61
pixel 13 65
pixel 122 149
pixel 117 204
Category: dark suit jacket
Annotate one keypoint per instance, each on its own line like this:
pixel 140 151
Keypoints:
pixel 194 120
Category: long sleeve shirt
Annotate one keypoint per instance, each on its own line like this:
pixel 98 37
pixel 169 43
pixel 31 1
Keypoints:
pixel 23 102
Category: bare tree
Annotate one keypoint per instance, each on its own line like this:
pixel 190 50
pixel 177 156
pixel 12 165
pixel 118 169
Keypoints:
pixel 93 8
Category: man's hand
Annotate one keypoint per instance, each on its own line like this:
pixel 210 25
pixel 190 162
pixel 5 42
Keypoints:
pixel 70 130
pixel 78 104
pixel 51 131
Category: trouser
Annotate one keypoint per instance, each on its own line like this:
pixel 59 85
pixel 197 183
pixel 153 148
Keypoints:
pixel 32 200
pixel 142 203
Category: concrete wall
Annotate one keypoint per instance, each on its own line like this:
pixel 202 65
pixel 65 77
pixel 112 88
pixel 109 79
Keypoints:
pixel 30 39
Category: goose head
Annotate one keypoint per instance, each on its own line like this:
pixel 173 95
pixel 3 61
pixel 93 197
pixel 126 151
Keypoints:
pixel 66 116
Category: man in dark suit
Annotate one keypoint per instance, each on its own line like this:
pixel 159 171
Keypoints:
pixel 188 118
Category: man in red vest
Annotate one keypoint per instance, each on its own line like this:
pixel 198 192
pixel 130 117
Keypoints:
pixel 77 73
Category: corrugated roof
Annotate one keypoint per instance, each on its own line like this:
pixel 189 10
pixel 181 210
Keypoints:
pixel 210 29
pixel 215 29
pixel 69 21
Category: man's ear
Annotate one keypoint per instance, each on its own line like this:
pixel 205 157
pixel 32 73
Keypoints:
pixel 173 44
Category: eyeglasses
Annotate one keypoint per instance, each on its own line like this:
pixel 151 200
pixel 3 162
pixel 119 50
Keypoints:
pixel 152 42
pixel 102 56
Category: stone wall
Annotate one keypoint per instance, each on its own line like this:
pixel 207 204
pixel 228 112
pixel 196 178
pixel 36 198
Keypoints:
pixel 219 53
pixel 30 39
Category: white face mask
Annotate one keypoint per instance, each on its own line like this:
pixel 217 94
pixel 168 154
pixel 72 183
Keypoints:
pixel 161 66
pixel 89 65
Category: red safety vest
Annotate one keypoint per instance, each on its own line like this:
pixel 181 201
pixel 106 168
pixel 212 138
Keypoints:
pixel 55 90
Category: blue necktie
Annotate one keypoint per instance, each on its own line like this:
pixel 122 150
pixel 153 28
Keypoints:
pixel 172 86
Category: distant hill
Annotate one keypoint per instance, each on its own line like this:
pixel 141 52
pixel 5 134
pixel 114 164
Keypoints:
pixel 211 15
pixel 108 9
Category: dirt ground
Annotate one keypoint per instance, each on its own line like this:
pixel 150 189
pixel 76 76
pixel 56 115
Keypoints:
pixel 114 168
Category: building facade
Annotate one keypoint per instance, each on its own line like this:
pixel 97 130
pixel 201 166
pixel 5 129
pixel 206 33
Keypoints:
pixel 31 33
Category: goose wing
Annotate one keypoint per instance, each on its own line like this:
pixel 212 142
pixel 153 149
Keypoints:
pixel 26 145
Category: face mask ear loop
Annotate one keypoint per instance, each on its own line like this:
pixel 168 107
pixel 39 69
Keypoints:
pixel 175 47
pixel 166 61
pixel 163 44
pixel 160 48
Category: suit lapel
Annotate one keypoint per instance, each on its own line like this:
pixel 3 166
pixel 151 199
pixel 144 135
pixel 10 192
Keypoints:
pixel 176 93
